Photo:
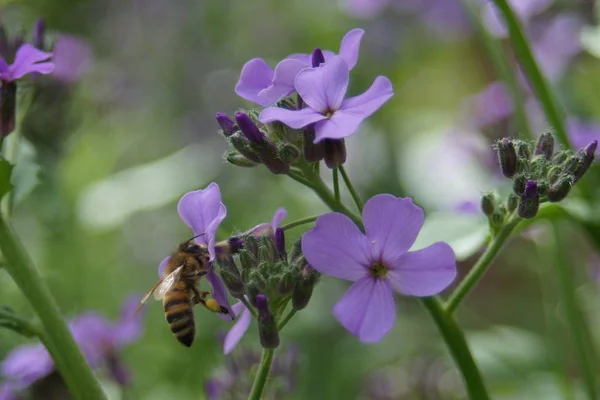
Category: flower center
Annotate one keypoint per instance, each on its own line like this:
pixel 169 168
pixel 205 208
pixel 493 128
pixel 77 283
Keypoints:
pixel 329 113
pixel 378 270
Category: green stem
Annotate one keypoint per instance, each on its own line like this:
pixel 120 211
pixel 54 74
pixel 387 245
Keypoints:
pixel 583 344
pixel 336 185
pixel 68 358
pixel 457 344
pixel 351 189
pixel 299 222
pixel 262 374
pixel 10 320
pixel 286 319
pixel 481 266
pixel 299 179
pixel 532 71
pixel 249 307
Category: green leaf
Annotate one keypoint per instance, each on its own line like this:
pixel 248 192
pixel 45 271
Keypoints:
pixel 465 233
pixel 5 174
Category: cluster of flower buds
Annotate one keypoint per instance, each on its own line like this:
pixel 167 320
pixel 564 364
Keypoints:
pixel 270 279
pixel 232 380
pixel 538 174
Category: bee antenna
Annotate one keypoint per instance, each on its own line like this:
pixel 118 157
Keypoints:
pixel 192 238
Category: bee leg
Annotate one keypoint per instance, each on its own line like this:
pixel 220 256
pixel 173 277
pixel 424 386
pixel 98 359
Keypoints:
pixel 199 297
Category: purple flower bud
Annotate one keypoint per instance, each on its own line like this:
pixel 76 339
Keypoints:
pixel 545 145
pixel 586 157
pixel 242 145
pixel 507 157
pixel 530 201
pixel 304 287
pixel 8 104
pixel 313 152
pixel 118 371
pixel 560 189
pixel 39 34
pixel 226 124
pixel 335 152
pixel 249 128
pixel 280 242
pixel 317 58
pixel 286 284
pixel 267 327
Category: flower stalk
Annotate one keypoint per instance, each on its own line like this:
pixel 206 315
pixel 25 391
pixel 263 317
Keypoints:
pixel 66 354
pixel 262 374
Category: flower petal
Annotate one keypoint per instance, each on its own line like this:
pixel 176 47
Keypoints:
pixel 25 62
pixel 283 81
pixel 339 126
pixel 424 272
pixel 3 65
pixel 256 75
pixel 337 248
pixel 324 88
pixel 203 211
pixel 350 45
pixel 305 58
pixel 237 331
pixel 367 309
pixel 293 119
pixel 370 101
pixel 278 217
pixel 219 292
pixel 392 224
pixel 26 364
pixel 162 266
pixel 129 327
pixel 7 392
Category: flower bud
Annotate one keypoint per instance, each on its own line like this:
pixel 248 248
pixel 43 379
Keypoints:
pixel 242 145
pixel 249 128
pixel 586 157
pixel 507 157
pixel 519 184
pixel 227 125
pixel 39 34
pixel 304 288
pixel 335 152
pixel 8 105
pixel 499 216
pixel 270 157
pixel 530 201
pixel 252 291
pixel 571 165
pixel 258 281
pixel 252 246
pixel 239 160
pixel 545 145
pixel 553 174
pixel 488 203
pixel 289 153
pixel 247 260
pixel 296 251
pixel 286 284
pixel 542 188
pixel 512 202
pixel 560 189
pixel 267 327
pixel 523 151
pixel 280 243
pixel 231 277
pixel 317 58
pixel 313 152
pixel 559 158
pixel 267 252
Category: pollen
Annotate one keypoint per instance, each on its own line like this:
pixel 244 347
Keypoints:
pixel 379 270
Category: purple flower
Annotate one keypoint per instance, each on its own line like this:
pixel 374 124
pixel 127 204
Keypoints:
pixel 27 60
pixel 582 132
pixel 524 9
pixel 73 58
pixel 269 229
pixel 323 90
pixel 203 211
pixel 377 262
pixel 261 84
pixel 99 339
pixel 493 104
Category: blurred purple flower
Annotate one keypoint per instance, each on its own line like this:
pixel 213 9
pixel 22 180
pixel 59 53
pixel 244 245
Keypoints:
pixel 269 229
pixel 366 9
pixel 582 133
pixel 260 84
pixel 377 262
pixel 27 60
pixel 524 9
pixel 323 90
pixel 493 104
pixel 203 211
pixel 99 339
pixel 72 58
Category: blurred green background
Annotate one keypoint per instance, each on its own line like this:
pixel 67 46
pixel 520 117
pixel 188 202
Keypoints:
pixel 117 149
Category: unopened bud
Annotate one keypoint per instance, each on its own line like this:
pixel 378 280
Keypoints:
pixel 571 165
pixel 586 156
pixel 560 189
pixel 258 281
pixel 249 128
pixel 530 201
pixel 542 188
pixel 507 157
pixel 247 260
pixel 239 142
pixel 488 203
pixel 252 246
pixel 313 152
pixel 335 152
pixel 512 202
pixel 270 157
pixel 227 125
pixel 553 174
pixel 267 327
pixel 39 34
pixel 252 291
pixel 267 252
pixel 296 250
pixel 280 243
pixel 8 105
pixel 523 151
pixel 559 158
pixel 498 217
pixel 233 282
pixel 304 288
pixel 239 160
pixel 317 58
pixel 289 153
pixel 286 284
pixel 519 184
pixel 545 145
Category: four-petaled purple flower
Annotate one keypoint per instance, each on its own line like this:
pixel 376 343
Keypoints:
pixel 99 339
pixel 377 262
pixel 27 60
pixel 323 90
pixel 203 211
pixel 238 330
pixel 261 84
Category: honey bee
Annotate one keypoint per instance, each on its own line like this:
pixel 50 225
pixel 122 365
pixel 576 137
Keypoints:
pixel 179 293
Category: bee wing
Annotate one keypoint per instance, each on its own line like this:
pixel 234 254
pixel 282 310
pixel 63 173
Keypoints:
pixel 161 287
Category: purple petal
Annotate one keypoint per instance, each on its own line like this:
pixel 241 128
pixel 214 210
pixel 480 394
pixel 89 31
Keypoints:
pixel 392 224
pixel 26 59
pixel 73 58
pixel 118 370
pixel 219 292
pixel 256 75
pixel 7 392
pixel 129 327
pixel 93 334
pixel 370 101
pixel 336 247
pixel 162 266
pixel 26 364
pixel 278 217
pixel 283 81
pixel 293 119
pixel 203 211
pixel 350 45
pixel 367 309
pixel 339 126
pixel 3 66
pixel 305 58
pixel 238 330
pixel 324 88
pixel 424 272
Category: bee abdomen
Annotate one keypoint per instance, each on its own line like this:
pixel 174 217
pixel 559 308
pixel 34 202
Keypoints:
pixel 179 315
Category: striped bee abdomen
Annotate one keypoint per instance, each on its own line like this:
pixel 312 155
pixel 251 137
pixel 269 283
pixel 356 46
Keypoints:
pixel 179 315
